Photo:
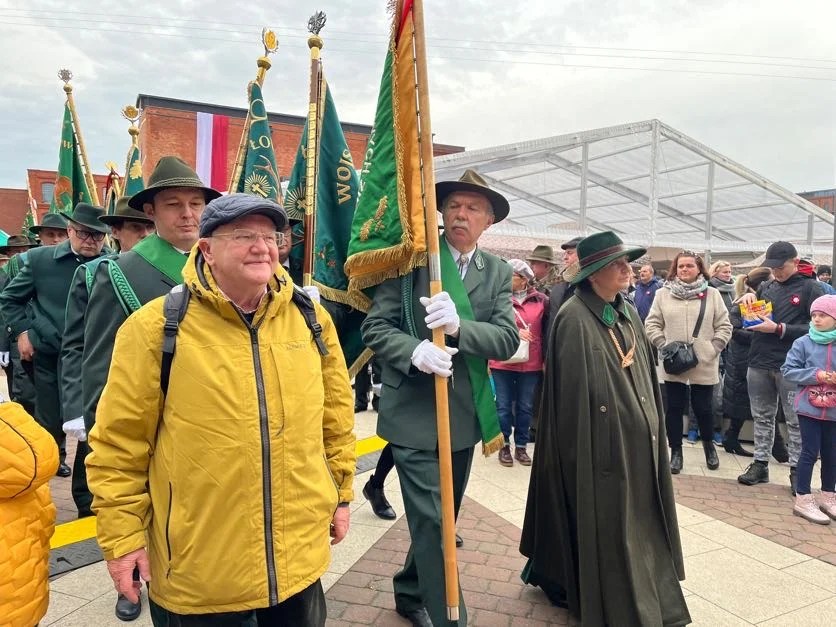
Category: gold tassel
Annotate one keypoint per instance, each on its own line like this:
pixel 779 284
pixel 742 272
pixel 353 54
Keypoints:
pixel 494 446
pixel 358 365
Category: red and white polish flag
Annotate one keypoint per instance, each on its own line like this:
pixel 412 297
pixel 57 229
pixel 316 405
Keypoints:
pixel 212 145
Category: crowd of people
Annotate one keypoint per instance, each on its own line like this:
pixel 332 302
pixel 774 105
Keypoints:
pixel 212 406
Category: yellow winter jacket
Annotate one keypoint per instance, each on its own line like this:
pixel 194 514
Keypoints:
pixel 28 460
pixel 232 480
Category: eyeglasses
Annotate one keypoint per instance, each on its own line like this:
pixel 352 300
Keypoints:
pixel 245 237
pixel 96 236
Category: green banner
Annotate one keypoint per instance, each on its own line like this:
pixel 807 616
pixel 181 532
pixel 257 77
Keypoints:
pixel 70 186
pixel 133 180
pixel 258 174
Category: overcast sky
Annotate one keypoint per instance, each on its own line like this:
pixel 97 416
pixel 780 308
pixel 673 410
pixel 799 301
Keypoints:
pixel 489 84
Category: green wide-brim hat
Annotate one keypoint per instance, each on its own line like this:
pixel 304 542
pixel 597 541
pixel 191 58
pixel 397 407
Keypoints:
pixel 87 215
pixel 543 253
pixel 124 212
pixel 16 241
pixel 596 251
pixel 170 172
pixel 470 181
pixel 49 221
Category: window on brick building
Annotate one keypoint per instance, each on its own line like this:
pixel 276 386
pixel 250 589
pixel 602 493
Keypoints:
pixel 47 190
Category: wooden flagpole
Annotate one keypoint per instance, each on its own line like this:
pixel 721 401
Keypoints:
pixel 445 458
pixel 271 44
pixel 315 43
pixel 66 76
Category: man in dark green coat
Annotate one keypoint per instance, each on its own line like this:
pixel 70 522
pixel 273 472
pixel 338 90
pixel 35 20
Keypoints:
pixel 33 305
pixel 128 227
pixel 174 199
pixel 600 527
pixel 15 246
pixel 476 315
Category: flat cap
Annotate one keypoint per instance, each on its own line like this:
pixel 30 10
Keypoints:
pixel 226 209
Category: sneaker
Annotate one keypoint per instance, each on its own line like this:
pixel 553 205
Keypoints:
pixel 757 472
pixel 692 436
pixel 505 456
pixel 718 438
pixel 827 503
pixel 521 455
pixel 806 507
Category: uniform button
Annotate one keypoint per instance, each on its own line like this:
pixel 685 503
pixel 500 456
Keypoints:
pixel 644 400
pixel 603 409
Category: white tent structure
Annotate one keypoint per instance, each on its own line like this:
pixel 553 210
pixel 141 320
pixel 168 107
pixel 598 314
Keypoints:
pixel 649 183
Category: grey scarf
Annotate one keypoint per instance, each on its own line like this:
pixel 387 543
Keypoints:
pixel 687 291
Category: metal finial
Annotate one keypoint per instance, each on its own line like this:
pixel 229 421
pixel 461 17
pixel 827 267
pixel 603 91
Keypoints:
pixel 65 75
pixel 111 167
pixel 131 114
pixel 270 41
pixel 317 22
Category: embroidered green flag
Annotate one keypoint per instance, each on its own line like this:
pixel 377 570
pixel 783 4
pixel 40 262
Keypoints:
pixel 70 186
pixel 336 197
pixel 256 172
pixel 133 180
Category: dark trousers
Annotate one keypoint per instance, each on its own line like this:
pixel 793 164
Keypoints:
pixel 21 385
pixel 81 493
pixel 304 609
pixel 421 581
pixel 515 402
pixel 46 369
pixel 677 402
pixel 817 436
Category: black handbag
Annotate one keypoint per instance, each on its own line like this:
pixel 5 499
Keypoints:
pixel 679 357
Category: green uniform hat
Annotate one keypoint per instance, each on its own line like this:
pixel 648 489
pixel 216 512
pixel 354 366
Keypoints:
pixel 596 251
pixel 170 172
pixel 49 221
pixel 87 215
pixel 542 253
pixel 472 182
pixel 16 241
pixel 124 212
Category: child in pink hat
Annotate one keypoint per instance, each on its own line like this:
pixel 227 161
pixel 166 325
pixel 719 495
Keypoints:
pixel 811 364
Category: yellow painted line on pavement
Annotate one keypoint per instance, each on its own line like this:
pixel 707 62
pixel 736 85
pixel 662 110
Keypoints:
pixel 85 528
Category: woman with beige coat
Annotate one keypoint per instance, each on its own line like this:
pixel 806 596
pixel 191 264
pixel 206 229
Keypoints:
pixel 673 318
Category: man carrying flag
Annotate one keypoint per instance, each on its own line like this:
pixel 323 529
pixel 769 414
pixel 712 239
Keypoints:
pixel 478 321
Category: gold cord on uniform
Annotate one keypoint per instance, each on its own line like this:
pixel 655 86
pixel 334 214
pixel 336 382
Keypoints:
pixel 626 360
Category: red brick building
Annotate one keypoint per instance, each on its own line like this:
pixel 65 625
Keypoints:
pixel 169 127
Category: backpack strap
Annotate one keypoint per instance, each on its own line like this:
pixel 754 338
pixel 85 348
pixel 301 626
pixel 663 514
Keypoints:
pixel 305 305
pixel 174 309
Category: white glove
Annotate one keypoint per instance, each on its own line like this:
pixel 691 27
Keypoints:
pixel 313 292
pixel 75 429
pixel 4 360
pixel 427 357
pixel 441 312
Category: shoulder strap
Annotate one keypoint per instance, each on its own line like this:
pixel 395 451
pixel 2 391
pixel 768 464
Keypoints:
pixel 305 305
pixel 174 309
pixel 701 316
pixel 124 292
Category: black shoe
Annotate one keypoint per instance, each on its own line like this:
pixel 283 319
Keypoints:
pixel 85 513
pixel 459 541
pixel 358 407
pixel 711 459
pixel 733 446
pixel 779 449
pixel 793 479
pixel 380 506
pixel 676 460
pixel 757 472
pixel 419 617
pixel 63 470
pixel 127 611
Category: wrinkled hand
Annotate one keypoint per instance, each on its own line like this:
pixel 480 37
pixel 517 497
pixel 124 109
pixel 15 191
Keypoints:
pixel 766 325
pixel 441 313
pixel 24 346
pixel 525 334
pixel 121 571
pixel 4 359
pixel 313 292
pixel 75 429
pixel 340 524
pixel 427 357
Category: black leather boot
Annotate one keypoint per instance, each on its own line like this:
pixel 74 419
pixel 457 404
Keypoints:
pixel 676 460
pixel 711 459
pixel 757 472
pixel 380 506
pixel 127 611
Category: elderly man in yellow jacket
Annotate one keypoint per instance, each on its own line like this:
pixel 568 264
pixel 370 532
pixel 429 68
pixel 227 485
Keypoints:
pixel 224 489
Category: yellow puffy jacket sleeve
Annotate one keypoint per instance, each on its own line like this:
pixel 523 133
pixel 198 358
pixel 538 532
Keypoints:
pixel 28 454
pixel 122 440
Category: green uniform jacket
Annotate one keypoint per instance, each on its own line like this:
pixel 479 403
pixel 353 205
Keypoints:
pixel 5 342
pixel 407 414
pixel 600 518
pixel 72 345
pixel 104 317
pixel 45 282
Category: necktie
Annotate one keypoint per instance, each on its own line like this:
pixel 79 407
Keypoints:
pixel 462 265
